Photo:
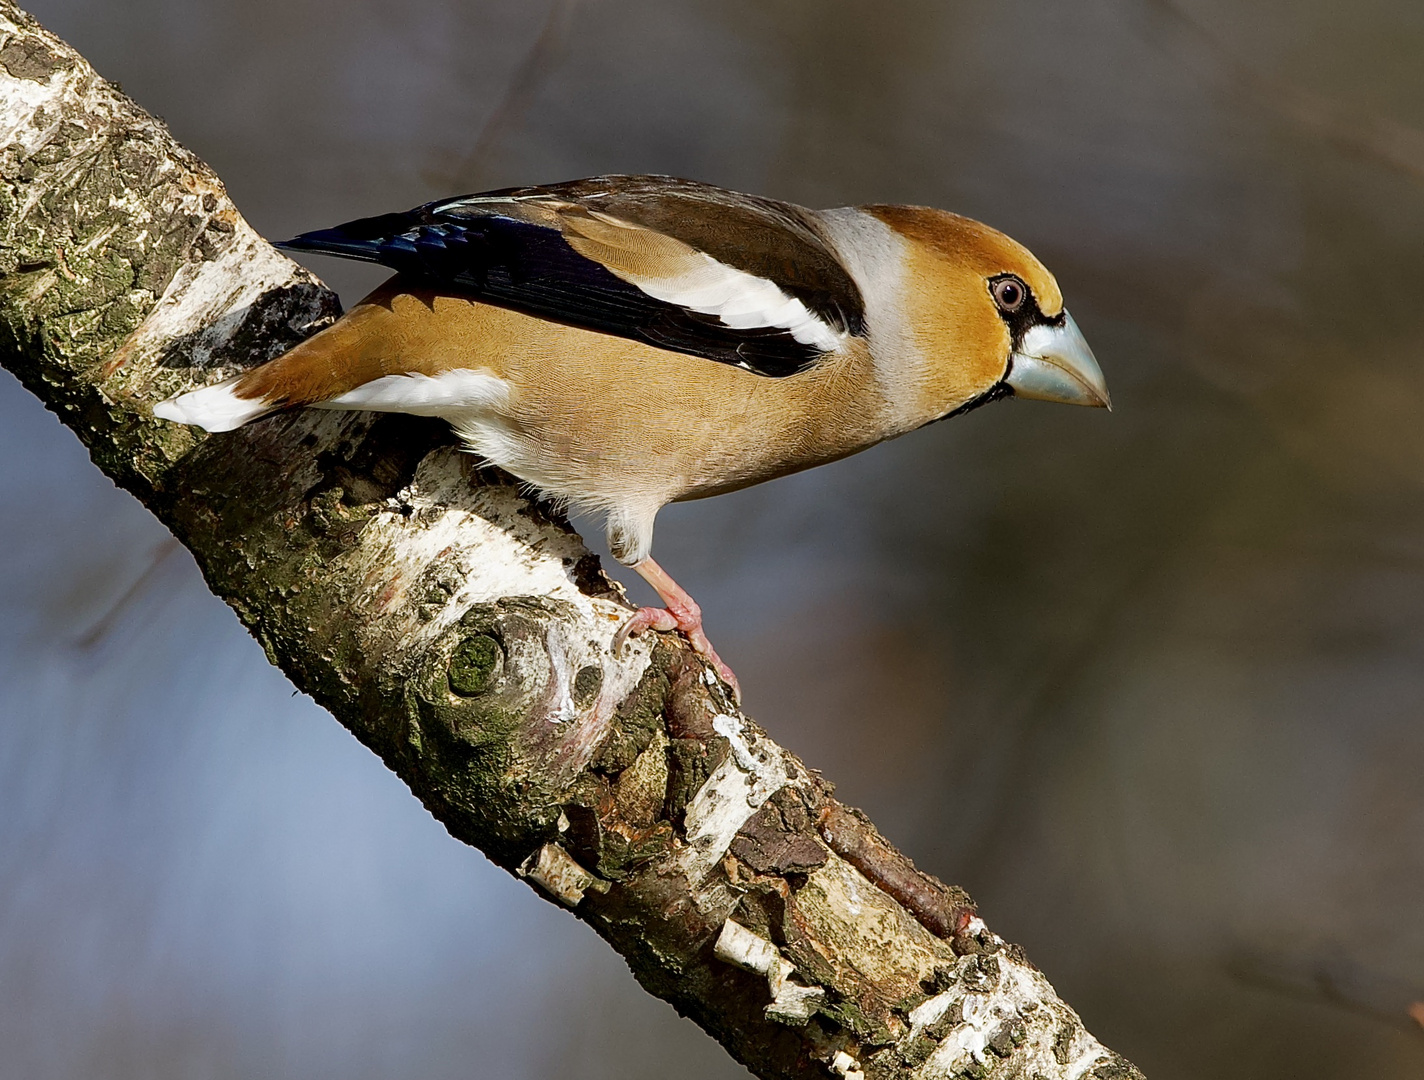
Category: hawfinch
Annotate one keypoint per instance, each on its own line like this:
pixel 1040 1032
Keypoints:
pixel 623 342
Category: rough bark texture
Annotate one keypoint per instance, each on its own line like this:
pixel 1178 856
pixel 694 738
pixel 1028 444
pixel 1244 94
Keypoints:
pixel 463 632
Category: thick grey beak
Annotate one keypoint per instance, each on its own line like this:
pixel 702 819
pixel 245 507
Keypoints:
pixel 1054 363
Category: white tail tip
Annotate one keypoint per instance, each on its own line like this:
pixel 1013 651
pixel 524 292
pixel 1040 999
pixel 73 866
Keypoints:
pixel 213 408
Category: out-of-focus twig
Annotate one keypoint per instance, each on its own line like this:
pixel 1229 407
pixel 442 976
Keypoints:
pixel 1332 980
pixel 471 171
pixel 104 625
pixel 1379 139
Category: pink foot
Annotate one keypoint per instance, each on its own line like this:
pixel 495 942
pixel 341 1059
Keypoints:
pixel 681 613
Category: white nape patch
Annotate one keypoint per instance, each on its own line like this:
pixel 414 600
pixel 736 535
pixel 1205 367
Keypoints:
pixel 740 300
pixel 212 408
pixel 451 394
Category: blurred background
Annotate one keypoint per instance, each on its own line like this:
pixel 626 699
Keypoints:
pixel 1150 685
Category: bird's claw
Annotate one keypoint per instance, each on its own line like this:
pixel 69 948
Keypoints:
pixel 690 624
pixel 647 618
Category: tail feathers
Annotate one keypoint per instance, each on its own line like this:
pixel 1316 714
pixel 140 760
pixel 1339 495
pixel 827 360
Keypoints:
pixel 213 408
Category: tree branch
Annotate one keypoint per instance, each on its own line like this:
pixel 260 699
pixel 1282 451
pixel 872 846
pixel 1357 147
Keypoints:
pixel 462 632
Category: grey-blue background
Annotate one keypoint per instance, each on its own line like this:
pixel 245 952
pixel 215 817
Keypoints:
pixel 1149 685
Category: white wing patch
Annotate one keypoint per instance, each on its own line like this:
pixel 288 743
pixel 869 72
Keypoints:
pixel 740 300
pixel 676 273
pixel 451 392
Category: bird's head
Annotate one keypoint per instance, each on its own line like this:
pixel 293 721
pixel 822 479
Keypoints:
pixel 987 317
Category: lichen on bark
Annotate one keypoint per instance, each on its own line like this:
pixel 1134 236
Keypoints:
pixel 464 633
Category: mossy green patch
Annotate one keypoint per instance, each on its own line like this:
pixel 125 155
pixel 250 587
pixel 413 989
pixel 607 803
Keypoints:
pixel 475 664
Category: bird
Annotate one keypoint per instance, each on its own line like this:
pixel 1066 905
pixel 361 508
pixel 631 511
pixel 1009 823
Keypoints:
pixel 622 342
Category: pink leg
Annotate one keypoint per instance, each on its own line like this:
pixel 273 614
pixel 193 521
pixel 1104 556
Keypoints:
pixel 681 613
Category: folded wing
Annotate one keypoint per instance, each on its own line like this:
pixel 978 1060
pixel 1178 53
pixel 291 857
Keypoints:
pixel 678 265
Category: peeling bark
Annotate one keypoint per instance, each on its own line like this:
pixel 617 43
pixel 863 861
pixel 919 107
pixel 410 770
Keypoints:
pixel 463 633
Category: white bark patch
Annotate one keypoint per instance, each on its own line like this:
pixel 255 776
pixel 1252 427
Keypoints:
pixel 29 108
pixel 931 1011
pixel 792 1002
pixel 481 541
pixel 1022 997
pixel 754 771
pixel 485 534
pixel 740 947
pixel 23 126
pixel 554 870
pixel 565 669
pixel 209 299
pixel 969 1040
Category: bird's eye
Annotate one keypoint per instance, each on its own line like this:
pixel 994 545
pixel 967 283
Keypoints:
pixel 1009 293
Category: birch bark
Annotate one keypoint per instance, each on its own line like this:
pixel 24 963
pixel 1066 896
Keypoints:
pixel 462 632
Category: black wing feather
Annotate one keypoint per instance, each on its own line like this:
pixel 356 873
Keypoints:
pixel 531 268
